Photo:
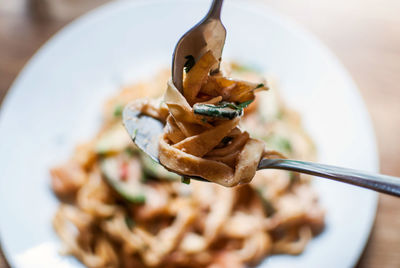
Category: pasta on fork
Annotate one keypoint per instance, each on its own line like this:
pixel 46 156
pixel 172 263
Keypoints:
pixel 202 136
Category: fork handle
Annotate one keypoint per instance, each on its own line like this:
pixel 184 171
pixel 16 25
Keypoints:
pixel 215 10
pixel 380 183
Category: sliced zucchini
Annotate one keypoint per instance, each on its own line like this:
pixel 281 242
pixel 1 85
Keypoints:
pixel 224 110
pixel 115 140
pixel 155 170
pixel 124 175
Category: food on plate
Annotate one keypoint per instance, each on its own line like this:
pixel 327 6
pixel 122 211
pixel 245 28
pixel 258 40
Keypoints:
pixel 119 208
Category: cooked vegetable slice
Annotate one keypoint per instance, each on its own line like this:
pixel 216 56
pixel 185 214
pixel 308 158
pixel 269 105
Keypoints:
pixel 114 140
pixel 124 176
pixel 223 110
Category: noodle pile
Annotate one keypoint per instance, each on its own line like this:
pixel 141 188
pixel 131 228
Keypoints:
pixel 120 209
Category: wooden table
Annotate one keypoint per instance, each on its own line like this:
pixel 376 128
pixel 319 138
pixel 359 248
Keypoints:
pixel 364 34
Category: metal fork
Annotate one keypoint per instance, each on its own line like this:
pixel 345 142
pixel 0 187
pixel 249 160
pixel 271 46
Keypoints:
pixel 208 34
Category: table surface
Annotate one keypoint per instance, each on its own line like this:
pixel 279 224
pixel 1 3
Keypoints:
pixel 364 34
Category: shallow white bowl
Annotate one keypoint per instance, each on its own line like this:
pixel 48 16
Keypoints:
pixel 55 103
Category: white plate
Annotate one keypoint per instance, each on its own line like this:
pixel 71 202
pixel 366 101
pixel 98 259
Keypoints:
pixel 55 103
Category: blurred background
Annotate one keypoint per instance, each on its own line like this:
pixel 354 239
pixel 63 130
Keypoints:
pixel 364 34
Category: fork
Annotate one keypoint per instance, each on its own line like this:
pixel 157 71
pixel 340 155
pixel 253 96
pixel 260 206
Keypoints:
pixel 208 34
